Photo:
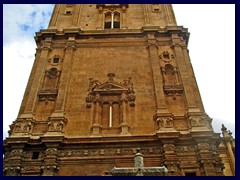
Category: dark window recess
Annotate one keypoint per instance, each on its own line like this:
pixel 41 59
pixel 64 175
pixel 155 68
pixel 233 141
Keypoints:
pixel 116 24
pixel 35 155
pixel 55 60
pixel 166 56
pixel 68 12
pixel 107 25
pixel 190 174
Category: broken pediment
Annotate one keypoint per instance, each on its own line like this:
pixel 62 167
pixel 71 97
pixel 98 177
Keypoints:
pixel 110 86
pixel 98 90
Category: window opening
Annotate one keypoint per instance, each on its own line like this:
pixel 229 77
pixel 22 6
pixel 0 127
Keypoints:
pixel 112 20
pixel 68 12
pixel 35 155
pixel 55 60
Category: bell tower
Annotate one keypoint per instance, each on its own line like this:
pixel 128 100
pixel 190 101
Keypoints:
pixel 108 79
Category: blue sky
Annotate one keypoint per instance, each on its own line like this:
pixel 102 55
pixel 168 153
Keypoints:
pixel 211 48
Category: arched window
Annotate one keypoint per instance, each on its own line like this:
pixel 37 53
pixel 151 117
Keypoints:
pixel 112 20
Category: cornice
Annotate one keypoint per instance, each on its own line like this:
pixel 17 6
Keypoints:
pixel 78 33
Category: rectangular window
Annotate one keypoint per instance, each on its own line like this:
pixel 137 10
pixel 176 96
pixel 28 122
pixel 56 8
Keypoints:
pixel 116 24
pixel 107 25
pixel 68 12
pixel 55 60
pixel 35 155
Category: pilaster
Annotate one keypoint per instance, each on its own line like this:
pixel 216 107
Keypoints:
pixel 184 73
pixel 65 77
pixel 39 73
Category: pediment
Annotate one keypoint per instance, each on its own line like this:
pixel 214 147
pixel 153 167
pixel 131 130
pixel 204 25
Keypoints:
pixel 110 86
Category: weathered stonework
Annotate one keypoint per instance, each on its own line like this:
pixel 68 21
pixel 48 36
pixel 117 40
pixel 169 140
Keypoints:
pixel 108 79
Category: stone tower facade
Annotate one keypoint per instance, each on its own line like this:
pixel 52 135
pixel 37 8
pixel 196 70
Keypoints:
pixel 108 79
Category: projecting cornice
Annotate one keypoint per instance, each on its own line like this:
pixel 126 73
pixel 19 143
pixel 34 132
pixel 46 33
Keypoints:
pixel 78 33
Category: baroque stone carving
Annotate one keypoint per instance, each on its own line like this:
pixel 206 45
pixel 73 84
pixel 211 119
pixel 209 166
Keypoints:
pixel 169 147
pixel 108 152
pixel 164 122
pixel 183 149
pixel 55 59
pixel 55 126
pixel 97 89
pixel 16 153
pixel 12 171
pixel 166 56
pixel 22 127
pixel 49 170
pixel 200 121
pixel 51 151
pixel 203 146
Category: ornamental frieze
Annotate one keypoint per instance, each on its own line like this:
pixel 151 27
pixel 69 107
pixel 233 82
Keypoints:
pixel 108 152
pixel 184 149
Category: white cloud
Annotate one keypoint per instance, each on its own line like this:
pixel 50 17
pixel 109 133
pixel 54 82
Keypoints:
pixel 23 20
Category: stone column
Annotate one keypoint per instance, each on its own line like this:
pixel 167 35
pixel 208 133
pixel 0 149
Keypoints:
pixel 124 17
pixel 96 125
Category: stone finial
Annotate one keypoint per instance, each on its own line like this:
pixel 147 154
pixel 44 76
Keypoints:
pixel 223 128
pixel 138 159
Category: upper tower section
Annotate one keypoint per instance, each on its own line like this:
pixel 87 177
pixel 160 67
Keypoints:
pixel 111 16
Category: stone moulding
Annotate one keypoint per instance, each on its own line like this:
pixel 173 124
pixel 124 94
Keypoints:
pixel 173 90
pixel 47 94
pixel 168 30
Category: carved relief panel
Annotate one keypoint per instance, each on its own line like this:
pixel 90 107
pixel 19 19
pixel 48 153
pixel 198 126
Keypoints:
pixel 21 126
pixel 172 85
pixel 109 101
